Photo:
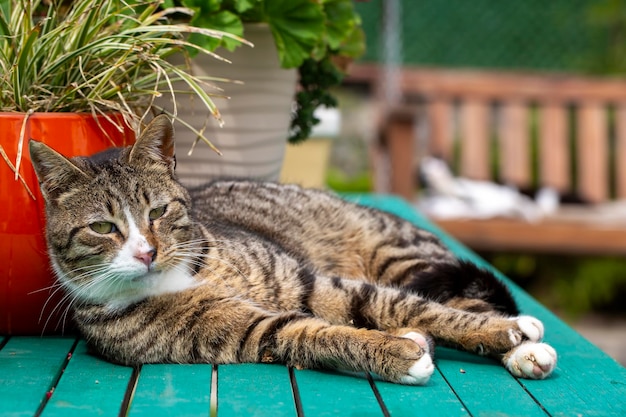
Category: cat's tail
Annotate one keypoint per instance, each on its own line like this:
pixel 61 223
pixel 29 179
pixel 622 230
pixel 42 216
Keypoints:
pixel 463 285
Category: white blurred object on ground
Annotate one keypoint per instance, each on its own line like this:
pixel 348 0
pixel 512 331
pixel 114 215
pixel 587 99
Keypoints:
pixel 449 197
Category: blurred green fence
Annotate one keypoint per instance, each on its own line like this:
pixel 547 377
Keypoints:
pixel 530 34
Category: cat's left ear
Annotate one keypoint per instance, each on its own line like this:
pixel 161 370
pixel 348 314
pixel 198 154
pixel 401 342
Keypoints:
pixel 155 144
pixel 55 172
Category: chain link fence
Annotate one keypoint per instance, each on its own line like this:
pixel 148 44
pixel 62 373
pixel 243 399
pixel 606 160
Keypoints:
pixel 554 35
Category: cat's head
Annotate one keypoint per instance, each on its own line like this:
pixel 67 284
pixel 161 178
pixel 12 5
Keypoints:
pixel 118 223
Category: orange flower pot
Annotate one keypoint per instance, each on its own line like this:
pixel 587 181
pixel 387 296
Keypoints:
pixel 28 302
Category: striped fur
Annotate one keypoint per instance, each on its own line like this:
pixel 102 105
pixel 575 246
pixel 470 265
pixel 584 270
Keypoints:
pixel 244 271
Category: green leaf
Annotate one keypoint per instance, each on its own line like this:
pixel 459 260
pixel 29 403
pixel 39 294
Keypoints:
pixel 203 7
pixel 21 75
pixel 298 28
pixel 353 45
pixel 341 20
pixel 242 6
pixel 5 10
pixel 225 21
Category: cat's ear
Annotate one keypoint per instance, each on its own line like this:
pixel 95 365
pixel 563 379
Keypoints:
pixel 156 144
pixel 53 170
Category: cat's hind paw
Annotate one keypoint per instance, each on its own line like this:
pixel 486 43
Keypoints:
pixel 531 360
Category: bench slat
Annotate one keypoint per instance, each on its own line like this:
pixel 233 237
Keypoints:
pixel 254 390
pixel 620 150
pixel 475 151
pixel 592 150
pixel 401 147
pixel 436 399
pixel 546 237
pixel 331 394
pixel 89 386
pixel 485 387
pixel 178 390
pixel 28 368
pixel 515 144
pixel 554 150
pixel 440 116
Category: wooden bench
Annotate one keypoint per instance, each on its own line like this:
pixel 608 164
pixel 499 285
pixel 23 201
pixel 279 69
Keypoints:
pixel 55 376
pixel 525 130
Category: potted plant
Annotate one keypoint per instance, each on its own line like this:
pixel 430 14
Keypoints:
pixel 301 50
pixel 79 76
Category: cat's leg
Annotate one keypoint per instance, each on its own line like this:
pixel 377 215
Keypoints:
pixel 461 285
pixel 365 305
pixel 199 327
pixel 308 342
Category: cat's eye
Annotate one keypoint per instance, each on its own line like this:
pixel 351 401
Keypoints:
pixel 155 213
pixel 103 227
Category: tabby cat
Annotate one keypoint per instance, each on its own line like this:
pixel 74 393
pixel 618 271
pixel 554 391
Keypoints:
pixel 246 271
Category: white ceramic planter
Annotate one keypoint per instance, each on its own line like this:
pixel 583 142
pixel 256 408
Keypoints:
pixel 256 117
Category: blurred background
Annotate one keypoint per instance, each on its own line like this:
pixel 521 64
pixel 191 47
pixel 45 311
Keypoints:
pixel 578 37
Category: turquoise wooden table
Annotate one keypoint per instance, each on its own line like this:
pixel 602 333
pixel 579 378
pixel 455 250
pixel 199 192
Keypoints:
pixel 55 376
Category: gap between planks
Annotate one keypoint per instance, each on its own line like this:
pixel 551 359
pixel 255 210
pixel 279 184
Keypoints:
pixel 57 378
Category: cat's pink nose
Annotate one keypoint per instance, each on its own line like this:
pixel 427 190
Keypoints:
pixel 146 257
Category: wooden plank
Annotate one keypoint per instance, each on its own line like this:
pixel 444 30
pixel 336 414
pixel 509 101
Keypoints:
pixel 29 366
pixel 89 386
pixel 545 237
pixel 400 139
pixel 332 394
pixel 177 390
pixel 498 84
pixel 475 139
pixel 254 390
pixel 436 399
pixel 620 151
pixel 440 119
pixel 484 386
pixel 515 144
pixel 592 152
pixel 554 149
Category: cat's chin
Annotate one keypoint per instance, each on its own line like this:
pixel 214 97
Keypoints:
pixel 153 284
pixel 119 292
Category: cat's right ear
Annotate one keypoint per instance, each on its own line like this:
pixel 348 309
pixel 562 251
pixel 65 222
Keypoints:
pixel 155 144
pixel 54 171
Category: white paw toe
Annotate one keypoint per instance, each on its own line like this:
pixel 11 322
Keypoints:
pixel 530 327
pixel 419 339
pixel 532 360
pixel 420 372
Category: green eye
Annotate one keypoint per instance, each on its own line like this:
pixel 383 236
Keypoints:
pixel 156 213
pixel 103 227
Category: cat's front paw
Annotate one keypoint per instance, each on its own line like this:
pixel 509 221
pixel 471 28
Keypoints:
pixel 420 372
pixel 531 360
pixel 407 358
